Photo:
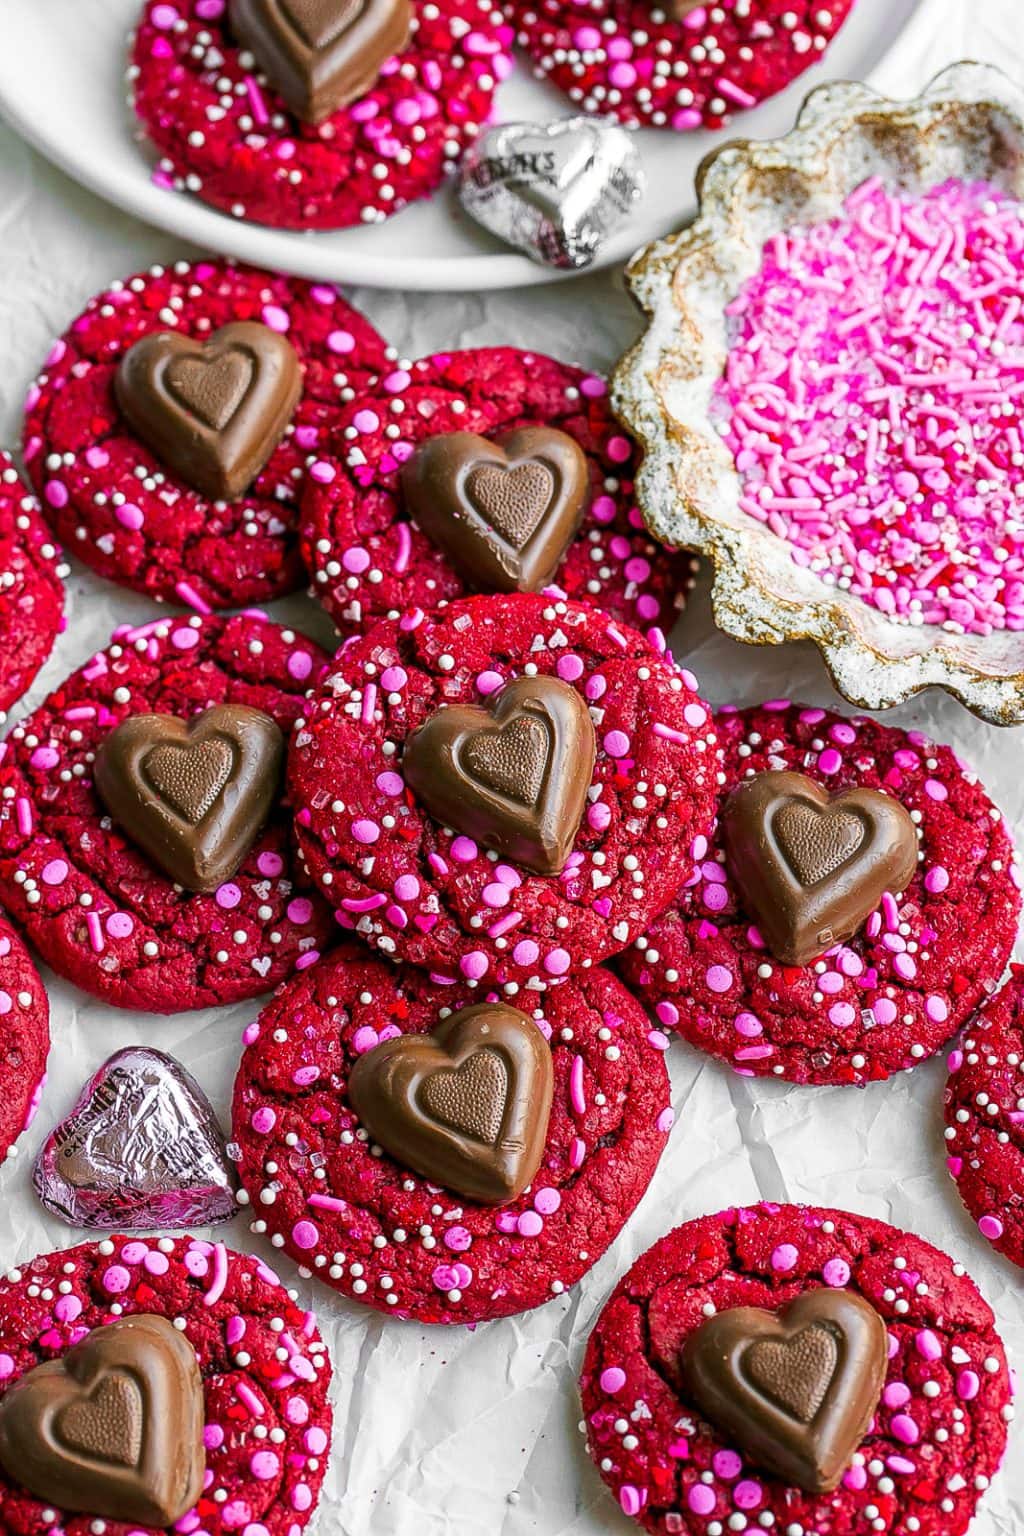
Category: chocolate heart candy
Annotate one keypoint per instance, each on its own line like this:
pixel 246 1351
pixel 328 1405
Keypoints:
pixel 114 1429
pixel 141 1149
pixel 466 1106
pixel 811 867
pixel 796 1390
pixel 214 411
pixel 193 794
pixel 513 775
pixel 321 54
pixel 505 511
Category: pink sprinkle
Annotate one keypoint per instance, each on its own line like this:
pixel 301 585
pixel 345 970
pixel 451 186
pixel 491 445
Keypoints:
pixel 928 1346
pixel 631 1499
pixel 905 1429
pixel 327 1203
pixel 612 1379
pixel 305 1235
pixel 130 516
pixel 365 831
pixel 220 1276
pixel 991 1227
pixel 557 962
pixel 784 1258
pixel 190 597
pixel 920 516
pixel 968 1385
pixel 246 1395
pixel 719 978
pixel 701 1499
pixel 577 1098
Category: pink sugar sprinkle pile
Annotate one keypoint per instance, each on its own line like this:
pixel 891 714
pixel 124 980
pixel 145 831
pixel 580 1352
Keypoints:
pixel 872 400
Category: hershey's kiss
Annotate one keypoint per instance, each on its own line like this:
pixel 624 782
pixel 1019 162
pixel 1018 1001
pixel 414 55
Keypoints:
pixel 556 190
pixel 141 1149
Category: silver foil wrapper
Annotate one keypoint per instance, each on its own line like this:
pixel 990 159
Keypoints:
pixel 141 1148
pixel 556 190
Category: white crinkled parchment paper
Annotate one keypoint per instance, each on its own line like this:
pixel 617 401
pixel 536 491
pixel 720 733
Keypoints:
pixel 473 1433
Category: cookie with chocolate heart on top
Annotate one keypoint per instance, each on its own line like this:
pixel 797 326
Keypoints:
pixel 504 790
pixel 680 64
pixel 787 1368
pixel 143 1388
pixel 440 1152
pixel 145 844
pixel 487 470
pixel 313 114
pixel 856 902
pixel 167 429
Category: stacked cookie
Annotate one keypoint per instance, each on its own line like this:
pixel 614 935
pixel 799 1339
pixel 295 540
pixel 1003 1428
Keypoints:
pixel 491 854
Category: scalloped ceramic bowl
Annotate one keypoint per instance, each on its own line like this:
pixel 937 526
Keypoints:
pixel 968 124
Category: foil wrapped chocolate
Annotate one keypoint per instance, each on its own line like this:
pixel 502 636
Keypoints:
pixel 141 1148
pixel 556 190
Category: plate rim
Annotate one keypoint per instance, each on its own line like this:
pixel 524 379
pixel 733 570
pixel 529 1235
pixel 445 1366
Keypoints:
pixel 286 250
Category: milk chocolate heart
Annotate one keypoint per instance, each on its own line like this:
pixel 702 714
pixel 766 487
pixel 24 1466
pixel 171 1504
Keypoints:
pixel 466 1106
pixel 514 775
pixel 796 1390
pixel 214 411
pixel 810 867
pixel 504 511
pixel 114 1429
pixel 192 794
pixel 321 54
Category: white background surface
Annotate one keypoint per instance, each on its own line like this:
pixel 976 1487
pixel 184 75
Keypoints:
pixel 451 1432
pixel 61 81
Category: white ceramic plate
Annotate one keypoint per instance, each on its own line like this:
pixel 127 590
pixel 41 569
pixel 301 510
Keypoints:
pixel 61 67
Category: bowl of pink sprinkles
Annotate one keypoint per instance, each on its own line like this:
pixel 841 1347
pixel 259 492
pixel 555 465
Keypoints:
pixel 830 389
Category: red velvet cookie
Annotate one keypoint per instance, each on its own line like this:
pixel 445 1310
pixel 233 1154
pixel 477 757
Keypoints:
pixel 936 1439
pixel 375 1231
pixel 31 588
pixel 98 910
pixel 112 500
pixel 24 1038
pixel 226 136
pixel 369 559
pixel 899 988
pixel 421 890
pixel 265 1374
pixel 985 1118
pixel 682 67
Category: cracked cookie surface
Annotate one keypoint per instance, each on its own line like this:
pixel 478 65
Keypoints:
pixel 124 512
pixel 897 990
pixel 99 912
pixel 387 1237
pixel 938 1434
